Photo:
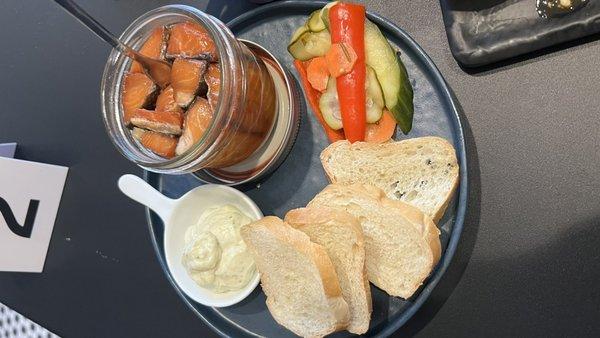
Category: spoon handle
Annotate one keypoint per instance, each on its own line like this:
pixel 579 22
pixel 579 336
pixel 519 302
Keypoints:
pixel 93 25
pixel 138 190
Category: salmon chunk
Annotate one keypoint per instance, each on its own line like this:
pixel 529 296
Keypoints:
pixel 161 121
pixel 160 144
pixel 186 80
pixel 155 47
pixel 190 40
pixel 197 120
pixel 213 82
pixel 138 92
pixel 166 101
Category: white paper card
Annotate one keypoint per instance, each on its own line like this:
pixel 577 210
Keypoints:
pixel 8 150
pixel 30 194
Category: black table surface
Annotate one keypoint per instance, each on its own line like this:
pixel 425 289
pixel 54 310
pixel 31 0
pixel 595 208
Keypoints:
pixel 527 265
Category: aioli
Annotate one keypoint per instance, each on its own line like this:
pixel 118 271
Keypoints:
pixel 215 255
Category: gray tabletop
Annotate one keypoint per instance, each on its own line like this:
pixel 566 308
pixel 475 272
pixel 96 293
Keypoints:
pixel 528 261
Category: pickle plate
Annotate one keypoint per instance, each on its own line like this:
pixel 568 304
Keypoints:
pixel 300 177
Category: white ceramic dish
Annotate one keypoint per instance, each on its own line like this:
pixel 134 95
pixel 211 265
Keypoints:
pixel 177 216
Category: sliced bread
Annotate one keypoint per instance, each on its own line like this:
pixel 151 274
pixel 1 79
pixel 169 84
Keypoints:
pixel 422 172
pixel 341 236
pixel 298 278
pixel 402 244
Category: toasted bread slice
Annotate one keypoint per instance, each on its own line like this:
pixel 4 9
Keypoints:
pixel 341 236
pixel 422 172
pixel 302 288
pixel 402 244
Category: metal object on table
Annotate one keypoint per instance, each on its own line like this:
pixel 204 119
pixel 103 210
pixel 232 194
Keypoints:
pixel 301 176
pixel 557 8
pixel 484 32
pixel 158 70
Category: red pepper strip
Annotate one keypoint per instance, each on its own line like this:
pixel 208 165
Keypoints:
pixel 347 24
pixel 312 96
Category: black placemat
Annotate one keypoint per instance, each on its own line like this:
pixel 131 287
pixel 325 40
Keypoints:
pixel 488 31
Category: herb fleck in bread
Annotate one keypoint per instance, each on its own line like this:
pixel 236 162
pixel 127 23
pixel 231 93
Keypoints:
pixel 341 236
pixel 422 172
pixel 402 244
pixel 298 278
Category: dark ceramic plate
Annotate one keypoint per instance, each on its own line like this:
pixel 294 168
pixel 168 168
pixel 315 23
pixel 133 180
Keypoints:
pixel 301 176
pixel 488 31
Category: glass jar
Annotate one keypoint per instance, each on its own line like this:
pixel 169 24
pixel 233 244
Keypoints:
pixel 244 115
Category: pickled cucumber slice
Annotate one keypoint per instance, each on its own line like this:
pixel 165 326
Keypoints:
pixel 297 49
pixel 329 103
pixel 324 13
pixel 392 76
pixel 375 101
pixel 330 106
pixel 315 22
pixel 309 44
pixel 298 32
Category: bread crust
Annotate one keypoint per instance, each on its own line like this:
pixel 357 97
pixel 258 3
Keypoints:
pixel 430 231
pixel 439 213
pixel 422 223
pixel 302 244
pixel 302 217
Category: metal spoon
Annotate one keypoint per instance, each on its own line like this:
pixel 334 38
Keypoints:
pixel 158 70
